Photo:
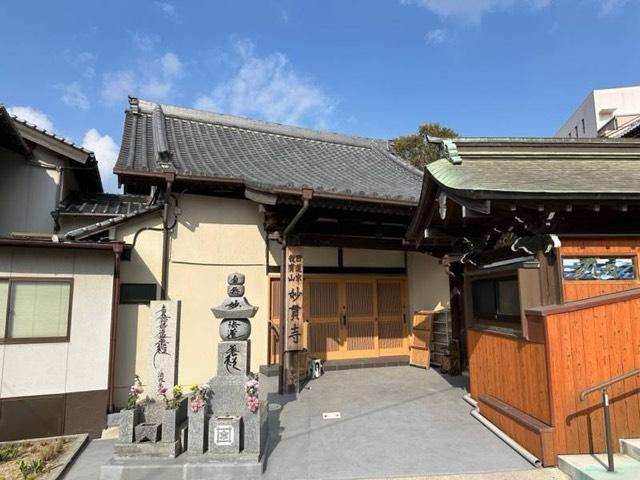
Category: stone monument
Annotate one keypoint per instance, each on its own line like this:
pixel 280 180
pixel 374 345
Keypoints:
pixel 238 424
pixel 227 427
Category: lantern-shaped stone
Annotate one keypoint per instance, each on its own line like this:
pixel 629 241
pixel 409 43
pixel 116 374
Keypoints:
pixel 235 311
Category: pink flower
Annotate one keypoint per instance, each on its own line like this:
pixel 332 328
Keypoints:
pixel 139 390
pixel 197 404
pixel 162 390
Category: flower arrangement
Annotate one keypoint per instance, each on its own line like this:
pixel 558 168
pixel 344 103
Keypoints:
pixel 134 393
pixel 252 387
pixel 173 402
pixel 200 393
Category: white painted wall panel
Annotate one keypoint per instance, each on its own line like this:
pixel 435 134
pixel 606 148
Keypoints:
pixel 34 369
pixel 82 363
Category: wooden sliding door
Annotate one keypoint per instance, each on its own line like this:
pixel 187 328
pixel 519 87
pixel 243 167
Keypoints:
pixel 356 317
pixel 392 318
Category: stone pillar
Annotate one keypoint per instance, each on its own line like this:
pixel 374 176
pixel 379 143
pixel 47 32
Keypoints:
pixel 163 347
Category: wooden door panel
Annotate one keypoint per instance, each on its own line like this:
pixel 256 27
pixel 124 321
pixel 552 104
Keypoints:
pixel 392 330
pixel 274 317
pixel 359 322
pixel 323 319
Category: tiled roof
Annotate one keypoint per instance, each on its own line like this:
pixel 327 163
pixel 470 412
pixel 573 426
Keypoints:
pixel 52 135
pixel 120 208
pixel 483 167
pixel 102 204
pixel 262 155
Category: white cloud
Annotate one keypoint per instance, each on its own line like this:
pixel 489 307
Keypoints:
pixel 171 65
pixel 473 10
pixel 435 37
pixel 117 85
pixel 166 8
pixel 32 115
pixel 154 79
pixel 106 152
pixel 145 41
pixel 73 96
pixel 269 87
pixel 610 6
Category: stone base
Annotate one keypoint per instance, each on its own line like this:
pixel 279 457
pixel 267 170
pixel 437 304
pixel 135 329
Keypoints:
pixel 229 398
pixel 184 468
pixel 147 449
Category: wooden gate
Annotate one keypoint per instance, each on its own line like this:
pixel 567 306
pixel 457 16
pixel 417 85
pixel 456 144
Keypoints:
pixel 355 317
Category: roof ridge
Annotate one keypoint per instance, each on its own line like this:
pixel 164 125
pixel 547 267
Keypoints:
pixel 234 121
pixel 44 131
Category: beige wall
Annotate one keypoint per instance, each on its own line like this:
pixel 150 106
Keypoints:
pixel 215 237
pixel 82 364
pixel 428 282
pixel 28 193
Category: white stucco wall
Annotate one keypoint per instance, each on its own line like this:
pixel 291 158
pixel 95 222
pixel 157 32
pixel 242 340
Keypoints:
pixel 427 282
pixel 82 363
pixel 28 193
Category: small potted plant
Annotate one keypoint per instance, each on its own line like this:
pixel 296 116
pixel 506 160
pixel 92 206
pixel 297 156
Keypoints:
pixel 131 415
pixel 175 412
pixel 199 418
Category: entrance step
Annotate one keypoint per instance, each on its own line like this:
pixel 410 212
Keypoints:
pixel 594 467
pixel 631 447
pixel 395 361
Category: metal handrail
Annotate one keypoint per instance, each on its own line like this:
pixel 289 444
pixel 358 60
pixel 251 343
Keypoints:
pixel 605 405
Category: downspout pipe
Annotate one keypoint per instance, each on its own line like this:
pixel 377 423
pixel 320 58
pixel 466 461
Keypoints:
pixel 285 356
pixel 165 239
pixel 118 248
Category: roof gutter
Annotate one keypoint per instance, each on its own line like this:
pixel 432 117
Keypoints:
pixel 14 242
pixel 241 182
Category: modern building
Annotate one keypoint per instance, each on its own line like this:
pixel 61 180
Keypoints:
pixel 608 112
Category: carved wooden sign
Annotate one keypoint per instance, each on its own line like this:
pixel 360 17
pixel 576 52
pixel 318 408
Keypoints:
pixel 294 291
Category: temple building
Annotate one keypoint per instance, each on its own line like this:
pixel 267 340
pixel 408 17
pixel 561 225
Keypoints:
pixel 542 238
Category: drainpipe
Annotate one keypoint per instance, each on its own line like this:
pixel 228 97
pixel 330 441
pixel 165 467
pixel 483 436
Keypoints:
pixel 118 248
pixel 285 356
pixel 165 238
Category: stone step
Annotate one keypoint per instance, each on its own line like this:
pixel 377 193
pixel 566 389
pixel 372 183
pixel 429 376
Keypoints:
pixel 631 447
pixel 594 467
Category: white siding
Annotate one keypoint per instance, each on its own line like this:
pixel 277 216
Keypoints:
pixel 82 364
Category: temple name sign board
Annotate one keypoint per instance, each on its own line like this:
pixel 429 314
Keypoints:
pixel 294 290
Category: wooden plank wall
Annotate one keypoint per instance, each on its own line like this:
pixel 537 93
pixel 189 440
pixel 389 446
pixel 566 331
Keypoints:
pixel 510 369
pixel 586 347
pixel 579 289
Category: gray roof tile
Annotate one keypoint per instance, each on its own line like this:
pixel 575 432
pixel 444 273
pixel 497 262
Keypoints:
pixel 262 155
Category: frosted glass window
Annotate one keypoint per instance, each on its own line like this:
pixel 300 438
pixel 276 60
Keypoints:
pixel 39 309
pixel 4 297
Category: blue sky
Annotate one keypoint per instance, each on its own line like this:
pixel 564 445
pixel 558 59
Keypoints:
pixel 374 68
